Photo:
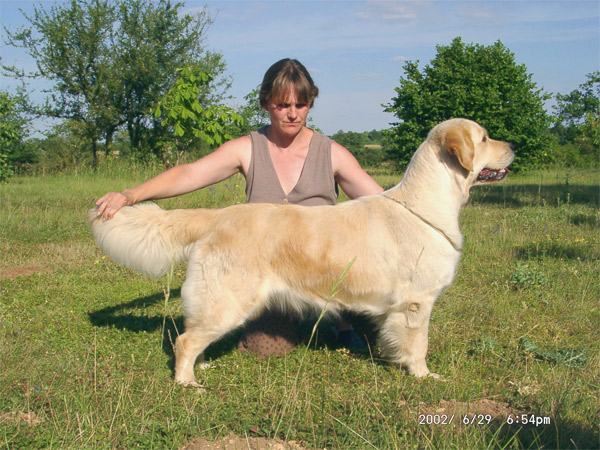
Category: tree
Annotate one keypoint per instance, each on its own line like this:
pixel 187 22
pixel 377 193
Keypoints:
pixel 578 117
pixel 576 107
pixel 113 60
pixel 154 40
pixel 183 112
pixel 70 49
pixel 476 82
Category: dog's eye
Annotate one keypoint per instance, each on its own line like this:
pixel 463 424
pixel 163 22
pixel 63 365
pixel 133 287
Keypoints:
pixel 485 138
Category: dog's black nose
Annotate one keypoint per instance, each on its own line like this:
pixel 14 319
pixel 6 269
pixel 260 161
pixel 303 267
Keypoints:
pixel 512 147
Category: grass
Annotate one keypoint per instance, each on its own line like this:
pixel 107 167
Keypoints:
pixel 86 346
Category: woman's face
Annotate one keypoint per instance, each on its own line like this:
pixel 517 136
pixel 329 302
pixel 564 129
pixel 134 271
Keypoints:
pixel 288 116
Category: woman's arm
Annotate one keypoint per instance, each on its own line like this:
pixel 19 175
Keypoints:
pixel 351 177
pixel 230 158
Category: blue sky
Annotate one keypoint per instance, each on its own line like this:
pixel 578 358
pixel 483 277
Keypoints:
pixel 355 50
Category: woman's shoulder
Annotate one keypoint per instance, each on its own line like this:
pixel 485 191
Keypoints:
pixel 340 157
pixel 339 150
pixel 238 150
pixel 242 142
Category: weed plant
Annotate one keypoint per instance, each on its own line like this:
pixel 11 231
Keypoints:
pixel 86 346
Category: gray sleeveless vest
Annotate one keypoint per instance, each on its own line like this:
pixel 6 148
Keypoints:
pixel 316 185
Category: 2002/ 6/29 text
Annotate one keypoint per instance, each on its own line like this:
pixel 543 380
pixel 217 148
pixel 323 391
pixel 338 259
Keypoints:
pixel 444 419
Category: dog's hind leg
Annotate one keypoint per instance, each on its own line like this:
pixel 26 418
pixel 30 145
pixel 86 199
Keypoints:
pixel 216 300
pixel 189 347
pixel 200 332
pixel 210 320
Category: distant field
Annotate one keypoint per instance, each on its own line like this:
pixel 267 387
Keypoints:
pixel 87 357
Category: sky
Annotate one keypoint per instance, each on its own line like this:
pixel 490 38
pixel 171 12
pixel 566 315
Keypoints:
pixel 355 50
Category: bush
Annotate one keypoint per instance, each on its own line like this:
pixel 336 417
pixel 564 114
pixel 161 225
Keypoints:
pixel 571 155
pixel 475 82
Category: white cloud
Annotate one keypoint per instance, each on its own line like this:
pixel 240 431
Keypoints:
pixel 389 10
pixel 482 14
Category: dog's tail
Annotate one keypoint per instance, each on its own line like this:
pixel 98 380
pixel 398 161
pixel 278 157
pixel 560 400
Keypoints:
pixel 147 238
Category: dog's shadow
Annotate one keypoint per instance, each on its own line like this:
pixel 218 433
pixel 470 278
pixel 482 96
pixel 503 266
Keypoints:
pixel 122 317
pixel 118 316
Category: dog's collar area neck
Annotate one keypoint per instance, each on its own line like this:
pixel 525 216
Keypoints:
pixel 456 246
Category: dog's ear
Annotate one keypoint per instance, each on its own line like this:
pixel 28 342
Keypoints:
pixel 458 142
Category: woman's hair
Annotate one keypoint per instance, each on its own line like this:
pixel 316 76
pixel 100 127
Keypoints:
pixel 283 75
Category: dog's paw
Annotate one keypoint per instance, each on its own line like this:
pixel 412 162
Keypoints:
pixel 205 365
pixel 193 385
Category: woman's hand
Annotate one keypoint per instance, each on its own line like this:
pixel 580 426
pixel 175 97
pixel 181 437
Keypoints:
pixel 111 202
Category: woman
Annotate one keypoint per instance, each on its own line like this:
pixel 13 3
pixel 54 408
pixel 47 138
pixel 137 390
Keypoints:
pixel 285 162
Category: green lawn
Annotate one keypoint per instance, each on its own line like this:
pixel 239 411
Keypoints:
pixel 86 354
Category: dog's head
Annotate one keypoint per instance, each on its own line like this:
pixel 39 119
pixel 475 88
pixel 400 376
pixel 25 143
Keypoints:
pixel 483 159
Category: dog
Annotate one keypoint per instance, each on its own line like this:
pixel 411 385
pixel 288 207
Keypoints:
pixel 398 250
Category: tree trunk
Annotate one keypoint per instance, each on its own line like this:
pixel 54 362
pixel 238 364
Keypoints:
pixel 108 141
pixel 94 154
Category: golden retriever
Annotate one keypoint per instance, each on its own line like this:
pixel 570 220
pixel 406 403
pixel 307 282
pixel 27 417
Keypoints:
pixel 405 244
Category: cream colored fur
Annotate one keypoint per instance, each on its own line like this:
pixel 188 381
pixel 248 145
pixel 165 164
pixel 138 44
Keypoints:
pixel 405 242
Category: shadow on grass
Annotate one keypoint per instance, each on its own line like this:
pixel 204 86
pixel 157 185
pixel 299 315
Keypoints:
pixel 519 195
pixel 588 220
pixel 119 317
pixel 557 434
pixel 557 251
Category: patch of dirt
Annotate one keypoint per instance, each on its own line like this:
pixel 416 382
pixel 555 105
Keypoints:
pixel 233 442
pixel 24 271
pixel 29 417
pixel 469 411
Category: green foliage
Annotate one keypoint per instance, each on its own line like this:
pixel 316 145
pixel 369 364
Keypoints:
pixel 525 277
pixel 577 123
pixel 476 82
pixel 25 154
pixel 182 112
pixel 254 115
pixel 153 41
pixel 12 130
pixel 352 140
pixel 567 356
pixel 366 146
pixel 64 149
pixel 574 154
pixel 577 106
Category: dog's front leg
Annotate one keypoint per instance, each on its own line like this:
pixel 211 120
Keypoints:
pixel 404 335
